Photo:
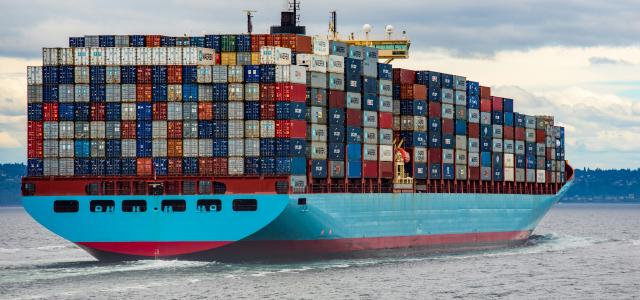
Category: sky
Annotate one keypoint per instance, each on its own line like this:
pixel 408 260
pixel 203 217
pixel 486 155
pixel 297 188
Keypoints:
pixel 578 60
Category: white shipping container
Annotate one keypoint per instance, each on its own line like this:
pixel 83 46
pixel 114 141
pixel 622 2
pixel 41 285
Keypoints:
pixel 252 129
pixel 370 135
pixel 34 94
pixel 509 174
pixel 319 63
pixel 336 64
pixel 370 119
pixel 541 176
pixel 369 152
pixel 205 92
pixel 219 73
pixel 65 56
pixel 113 74
pixel 298 74
pixel 65 167
pixel 50 148
pixel 128 93
pixel 50 167
pixel 128 56
pixel 112 93
pixel 112 56
pixel 190 147
pixel 461 142
pixel 198 56
pixel 174 111
pixel 159 148
pixel 252 147
pixel 65 148
pixel 159 56
pixel 318 150
pixel 385 136
pixel 50 57
pixel 303 59
pixel 385 88
pixel 283 73
pixel 236 147
pixel 275 55
pixel 50 130
pixel 317 133
pixel 128 112
pixel 128 147
pixel 81 74
pixel 34 75
pixel 354 101
pixel 81 56
pixel 144 56
pixel 97 148
pixel 66 129
pixel 203 74
pixel 448 156
pixel 236 166
pixel 252 92
pixel 174 55
pixel 235 74
pixel 461 157
pixel 81 93
pixel 82 129
pixel 386 153
pixel 320 45
pixel 235 110
pixel 474 159
pixel 236 129
pixel 97 56
pixel 97 129
pixel 159 129
pixel 205 148
pixel 268 129
pixel 419 154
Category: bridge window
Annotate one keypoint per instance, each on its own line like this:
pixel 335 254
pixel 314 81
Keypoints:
pixel 188 187
pixel 102 206
pixel 65 206
pixel 204 187
pixel 173 205
pixel 92 189
pixel 245 205
pixel 206 205
pixel 134 206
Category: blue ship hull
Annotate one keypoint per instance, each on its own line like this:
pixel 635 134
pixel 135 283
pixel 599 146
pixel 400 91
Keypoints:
pixel 291 226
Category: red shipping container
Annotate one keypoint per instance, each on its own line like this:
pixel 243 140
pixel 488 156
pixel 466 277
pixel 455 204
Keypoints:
pixel 50 112
pixel 540 137
pixel 268 92
pixel 404 76
pixel 205 166
pixel 298 129
pixel 474 173
pixel 496 104
pixel 386 169
pixel 302 43
pixel 435 110
pixel 35 148
pixel 144 92
pixel 269 39
pixel 220 166
pixel 507 133
pixel 35 130
pixel 267 110
pixel 406 92
pixel 435 155
pixel 548 175
pixel 337 99
pixel 485 105
pixel 97 111
pixel 128 129
pixel 218 58
pixel 174 74
pixel 353 117
pixel 448 126
pixel 283 129
pixel 174 129
pixel 474 130
pixel 277 40
pixel 257 41
pixel 290 92
pixel 485 92
pixel 174 147
pixel 159 111
pixel 519 134
pixel 370 169
pixel 205 111
pixel 152 41
pixel 419 92
pixel 144 166
pixel 549 154
pixel 143 74
pixel 385 120
pixel 174 166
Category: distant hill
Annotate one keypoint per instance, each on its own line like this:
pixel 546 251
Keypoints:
pixel 591 186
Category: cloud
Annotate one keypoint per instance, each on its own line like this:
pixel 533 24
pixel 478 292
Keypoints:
pixel 467 28
pixel 607 61
pixel 8 140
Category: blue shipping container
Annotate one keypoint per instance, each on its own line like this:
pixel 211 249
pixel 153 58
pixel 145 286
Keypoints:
pixel 159 93
pixel 144 111
pixel 298 147
pixel 485 144
pixel 128 75
pixel 82 111
pixel 35 167
pixel 298 110
pixel 252 165
pixel 448 141
pixel 97 74
pixel 435 125
pixel 128 166
pixel 283 110
pixel 283 165
pixel 485 159
pixel 507 105
pixel 319 168
pixel 298 166
pixel 113 167
pixel 354 169
pixel 66 111
pixel 107 41
pixel 98 166
pixel 143 147
pixel 461 128
pixel 448 171
pixel 220 92
pixel 496 118
pixel 354 134
pixel 435 140
pixel 220 147
pixel 50 75
pixel 190 92
pixel 435 94
pixel 267 165
pixel 252 73
pixel 336 134
pixel 50 93
pixel 82 166
pixel 220 129
pixel 508 119
pixel 159 74
pixel 66 75
pixel 160 166
pixel 213 42
pixel 97 93
pixel 435 171
pixel 336 151
pixel 354 152
pixel 267 73
pixel 447 81
pixel 205 129
pixel 268 147
pixel 113 148
pixel 190 165
pixel 251 110
pixel 385 71
pixel 189 74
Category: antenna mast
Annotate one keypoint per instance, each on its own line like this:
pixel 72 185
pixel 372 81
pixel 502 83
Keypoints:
pixel 249 20
pixel 333 29
pixel 295 6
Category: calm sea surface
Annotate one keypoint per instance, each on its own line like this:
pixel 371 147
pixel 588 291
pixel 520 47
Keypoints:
pixel 578 251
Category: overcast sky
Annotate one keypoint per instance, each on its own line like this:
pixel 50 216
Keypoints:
pixel 577 60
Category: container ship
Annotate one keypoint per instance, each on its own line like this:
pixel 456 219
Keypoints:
pixel 277 146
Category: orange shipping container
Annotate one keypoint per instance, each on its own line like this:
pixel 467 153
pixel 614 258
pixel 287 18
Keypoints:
pixel 174 147
pixel 152 41
pixel 144 92
pixel 174 166
pixel 205 166
pixel 174 129
pixel 128 129
pixel 255 58
pixel 228 58
pixel 144 166
pixel 205 111
pixel 174 74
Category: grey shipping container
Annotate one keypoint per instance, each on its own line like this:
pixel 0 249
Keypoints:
pixel 461 142
pixel 386 136
pixel 97 129
pixel 508 146
pixel 235 110
pixel 219 74
pixel 252 129
pixel 98 148
pixel 236 129
pixel 461 157
pixel 112 129
pixel 128 147
pixel 354 100
pixel 205 147
pixel 159 147
pixel 448 96
pixel 317 115
pixel 474 145
pixel 252 147
pixel 370 135
pixel 317 80
pixel 317 150
pixel 370 119
pixel 65 167
pixel 521 175
pixel 190 147
pixel 34 93
pixel 474 159
pixel 82 130
pixel 317 133
pixel 369 152
pixel 159 129
pixel 128 93
pixel 50 130
pixel 50 167
pixel 113 92
pixel 66 130
pixel 448 156
pixel 485 118
pixel 50 148
pixel 252 92
pixel 236 166
pixel 190 110
pixel 336 169
pixel 205 92
pixel 66 93
pixel 81 93
pixel 174 111
pixel 461 172
pixel 190 129
pixel 496 145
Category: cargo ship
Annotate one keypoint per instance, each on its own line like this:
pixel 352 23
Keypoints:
pixel 277 146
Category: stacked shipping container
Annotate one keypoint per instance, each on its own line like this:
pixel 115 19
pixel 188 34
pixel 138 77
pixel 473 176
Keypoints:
pixel 223 105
